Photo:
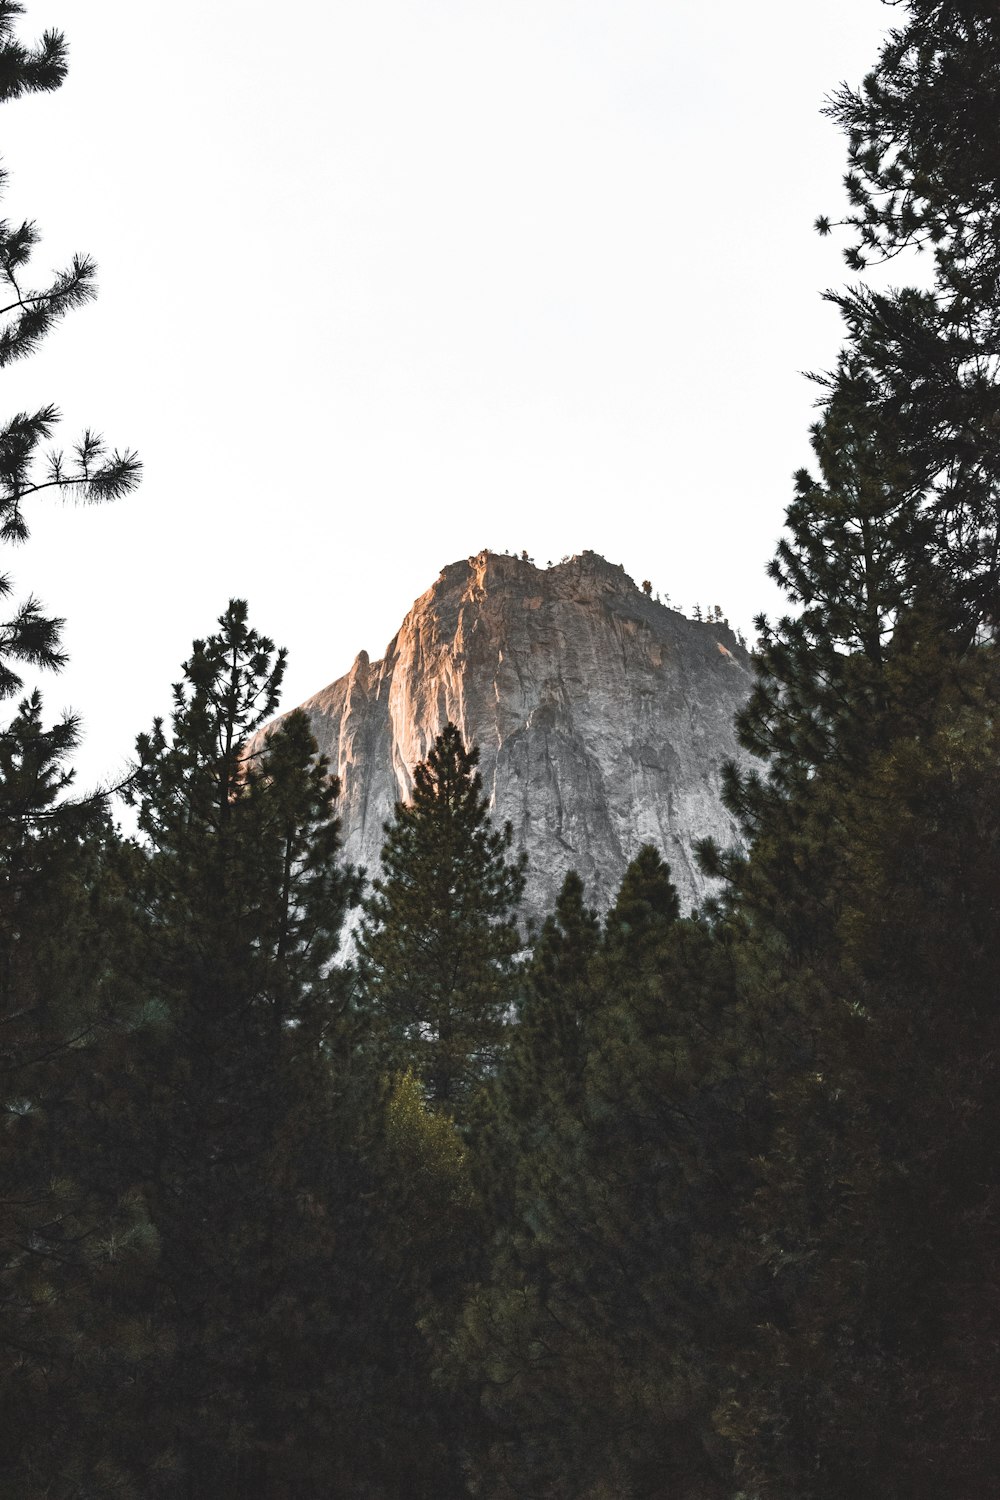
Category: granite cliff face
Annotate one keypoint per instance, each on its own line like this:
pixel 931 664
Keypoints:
pixel 602 718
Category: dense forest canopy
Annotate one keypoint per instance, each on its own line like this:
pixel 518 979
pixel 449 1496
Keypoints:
pixel 638 1205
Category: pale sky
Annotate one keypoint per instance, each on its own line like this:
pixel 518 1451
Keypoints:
pixel 384 282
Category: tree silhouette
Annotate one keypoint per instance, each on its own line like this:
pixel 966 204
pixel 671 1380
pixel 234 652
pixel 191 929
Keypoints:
pixel 438 939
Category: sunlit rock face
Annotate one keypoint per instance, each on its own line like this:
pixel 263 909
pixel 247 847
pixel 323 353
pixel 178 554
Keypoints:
pixel 602 719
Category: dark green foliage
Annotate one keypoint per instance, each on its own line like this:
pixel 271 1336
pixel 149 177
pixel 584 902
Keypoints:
pixel 920 132
pixel 674 1109
pixel 62 913
pixel 922 138
pixel 244 893
pixel 538 1087
pixel 91 472
pixel 645 909
pixel 876 1210
pixel 241 1121
pixel 243 1227
pixel 549 1046
pixel 61 1232
pixel 428 1252
pixel 898 537
pixel 625 1120
pixel 526 1134
pixel 756 1256
pixel 438 941
pixel 891 554
pixel 866 908
pixel 719 1213
pixel 26 70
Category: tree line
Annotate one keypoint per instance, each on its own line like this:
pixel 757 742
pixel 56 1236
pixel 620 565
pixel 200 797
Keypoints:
pixel 638 1206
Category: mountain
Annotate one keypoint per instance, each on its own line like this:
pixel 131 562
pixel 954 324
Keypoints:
pixel 602 718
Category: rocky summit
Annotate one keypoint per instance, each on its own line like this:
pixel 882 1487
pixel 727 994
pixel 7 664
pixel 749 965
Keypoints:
pixel 602 718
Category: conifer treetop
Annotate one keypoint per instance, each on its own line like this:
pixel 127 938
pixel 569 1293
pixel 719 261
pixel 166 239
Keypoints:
pixel 438 940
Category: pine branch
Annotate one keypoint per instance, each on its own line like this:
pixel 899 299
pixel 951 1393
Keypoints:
pixel 28 70
pixel 39 310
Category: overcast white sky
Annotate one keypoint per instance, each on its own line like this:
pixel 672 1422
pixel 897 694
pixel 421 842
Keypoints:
pixel 384 282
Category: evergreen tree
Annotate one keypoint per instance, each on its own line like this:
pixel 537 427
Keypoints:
pixel 922 142
pixel 526 1133
pixel 58 917
pixel 28 635
pixel 549 1046
pixel 864 903
pixel 874 1212
pixel 625 1137
pixel 891 554
pixel 536 1092
pixel 242 1121
pixel 61 1233
pixel 757 1260
pixel 427 1254
pixel 438 941
pixel 645 908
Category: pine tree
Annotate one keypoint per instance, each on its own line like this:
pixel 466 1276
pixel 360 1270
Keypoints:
pixel 526 1132
pixel 645 908
pixel 429 1251
pixel 29 635
pixel 863 906
pixel 875 1211
pixel 549 1046
pixel 922 141
pixel 58 919
pixel 62 1233
pixel 438 942
pixel 538 1086
pixel 243 1120
pixel 891 554
pixel 625 1138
